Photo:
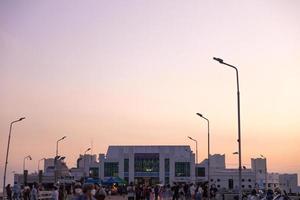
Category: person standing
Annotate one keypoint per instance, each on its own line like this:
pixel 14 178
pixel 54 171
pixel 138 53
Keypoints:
pixel 175 190
pixel 16 191
pixel 55 193
pixel 198 193
pixel 130 192
pixel 77 191
pixel 156 191
pixel 192 191
pixel 253 195
pixel 8 192
pixel 26 192
pixel 100 193
pixel 34 192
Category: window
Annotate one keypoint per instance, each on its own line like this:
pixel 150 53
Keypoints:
pixel 94 172
pixel 126 179
pixel 182 169
pixel 126 165
pixel 167 180
pixel 211 180
pixel 200 171
pixel 230 183
pixel 243 186
pixel 249 186
pixel 111 169
pixel 249 180
pixel 218 186
pixel 218 180
pixel 167 165
pixel 243 180
pixel 146 162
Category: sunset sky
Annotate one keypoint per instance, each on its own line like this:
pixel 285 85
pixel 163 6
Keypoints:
pixel 136 72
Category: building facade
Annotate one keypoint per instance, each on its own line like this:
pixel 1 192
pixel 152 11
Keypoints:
pixel 149 164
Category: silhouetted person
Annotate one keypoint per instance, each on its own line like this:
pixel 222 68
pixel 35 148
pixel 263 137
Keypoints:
pixel 175 189
pixel 8 192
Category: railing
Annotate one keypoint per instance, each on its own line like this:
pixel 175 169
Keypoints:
pixel 45 195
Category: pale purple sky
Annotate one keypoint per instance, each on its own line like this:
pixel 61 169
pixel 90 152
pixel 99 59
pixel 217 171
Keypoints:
pixel 136 72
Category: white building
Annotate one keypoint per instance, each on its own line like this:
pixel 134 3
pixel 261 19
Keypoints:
pixel 259 167
pixel 273 180
pixel 149 164
pixel 87 166
pixel 289 183
pixel 224 178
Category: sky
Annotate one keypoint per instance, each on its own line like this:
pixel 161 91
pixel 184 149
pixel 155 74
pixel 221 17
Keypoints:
pixel 136 72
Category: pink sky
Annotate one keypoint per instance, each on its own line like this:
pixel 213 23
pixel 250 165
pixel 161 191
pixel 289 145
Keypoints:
pixel 136 72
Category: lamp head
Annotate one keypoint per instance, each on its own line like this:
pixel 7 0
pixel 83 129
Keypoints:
pixel 21 118
pixel 200 115
pixel 56 157
pixel 62 158
pixel 219 60
pixel 88 149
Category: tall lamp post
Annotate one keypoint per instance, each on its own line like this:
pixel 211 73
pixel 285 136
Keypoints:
pixel 208 153
pixel 25 174
pixel 196 147
pixel 239 122
pixel 25 158
pixel 39 163
pixel 55 159
pixel 266 174
pixel 84 174
pixel 7 152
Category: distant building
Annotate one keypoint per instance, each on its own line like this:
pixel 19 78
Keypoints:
pixel 87 166
pixel 259 167
pixel 149 164
pixel 46 176
pixel 163 165
pixel 273 180
pixel 289 183
pixel 224 178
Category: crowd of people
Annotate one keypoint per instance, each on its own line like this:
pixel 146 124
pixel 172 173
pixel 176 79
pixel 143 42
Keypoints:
pixel 89 191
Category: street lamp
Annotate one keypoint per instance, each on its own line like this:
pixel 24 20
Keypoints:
pixel 196 147
pixel 86 151
pixel 57 144
pixel 266 174
pixel 25 158
pixel 55 160
pixel 39 163
pixel 208 153
pixel 7 151
pixel 239 122
pixel 84 174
